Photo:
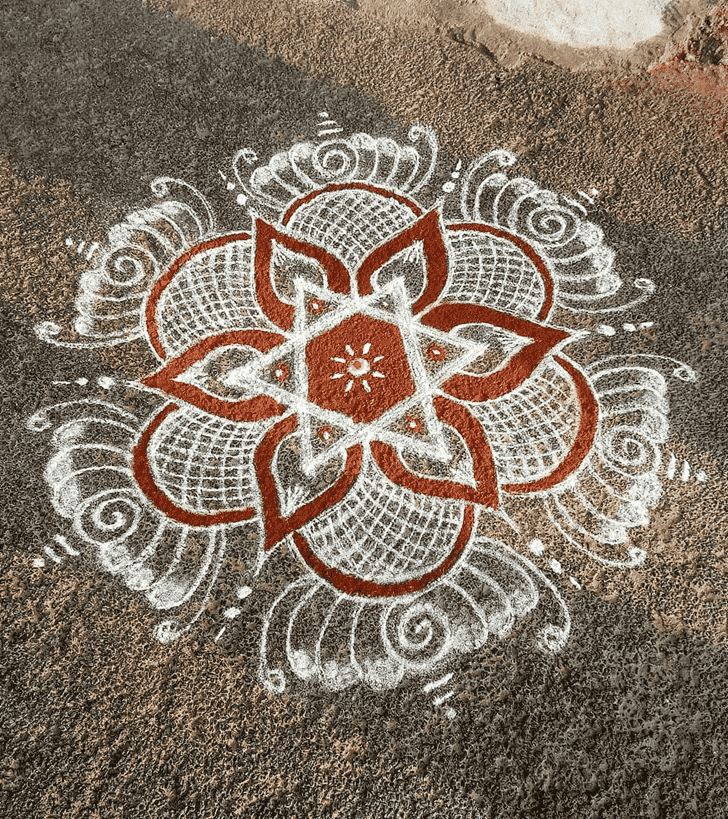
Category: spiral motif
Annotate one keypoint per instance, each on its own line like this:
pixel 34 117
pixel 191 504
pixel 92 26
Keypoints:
pixel 551 224
pixel 127 266
pixel 629 450
pixel 417 634
pixel 108 517
pixel 335 160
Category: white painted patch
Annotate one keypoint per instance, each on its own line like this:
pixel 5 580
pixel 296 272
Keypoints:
pixel 671 466
pixel 51 554
pixel 583 23
pixel 554 565
pixel 536 547
pixel 61 541
pixel 437 683
pixel 443 698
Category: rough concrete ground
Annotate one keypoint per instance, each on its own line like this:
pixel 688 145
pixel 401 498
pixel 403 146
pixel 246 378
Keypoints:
pixel 98 719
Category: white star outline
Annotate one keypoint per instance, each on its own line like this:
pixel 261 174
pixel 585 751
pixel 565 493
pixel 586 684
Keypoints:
pixel 306 328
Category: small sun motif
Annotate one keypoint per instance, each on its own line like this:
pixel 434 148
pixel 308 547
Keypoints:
pixel 358 367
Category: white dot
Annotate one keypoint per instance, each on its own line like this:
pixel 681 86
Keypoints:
pixel 231 612
pixel 606 330
pixel 555 566
pixel 536 547
pixel 244 591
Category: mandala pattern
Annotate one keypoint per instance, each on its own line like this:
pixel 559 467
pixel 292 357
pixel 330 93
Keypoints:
pixel 358 385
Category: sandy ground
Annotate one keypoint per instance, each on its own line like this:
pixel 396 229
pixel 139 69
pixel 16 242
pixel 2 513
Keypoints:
pixel 99 719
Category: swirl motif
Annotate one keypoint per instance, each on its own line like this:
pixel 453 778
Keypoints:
pixel 418 633
pixel 108 517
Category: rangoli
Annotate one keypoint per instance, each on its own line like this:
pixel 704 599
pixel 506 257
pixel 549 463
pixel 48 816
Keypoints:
pixel 360 381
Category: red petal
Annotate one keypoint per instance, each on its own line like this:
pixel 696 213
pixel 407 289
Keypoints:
pixel 276 526
pixel 145 479
pixel 163 283
pixel 277 311
pixel 582 443
pixel 251 409
pixel 349 584
pixel 524 247
pixel 519 367
pixel 425 230
pixel 457 416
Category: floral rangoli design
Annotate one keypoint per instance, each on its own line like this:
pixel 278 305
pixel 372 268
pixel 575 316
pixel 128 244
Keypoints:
pixel 359 383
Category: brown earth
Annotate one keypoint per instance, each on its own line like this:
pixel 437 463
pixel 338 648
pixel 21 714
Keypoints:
pixel 98 719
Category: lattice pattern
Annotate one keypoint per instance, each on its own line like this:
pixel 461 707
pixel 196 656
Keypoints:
pixel 211 294
pixel 350 223
pixel 204 463
pixel 383 532
pixel 492 271
pixel 532 429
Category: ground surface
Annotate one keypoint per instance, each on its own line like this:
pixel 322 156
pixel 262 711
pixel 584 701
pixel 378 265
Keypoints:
pixel 98 719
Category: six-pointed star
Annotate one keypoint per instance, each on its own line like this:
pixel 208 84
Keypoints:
pixel 359 363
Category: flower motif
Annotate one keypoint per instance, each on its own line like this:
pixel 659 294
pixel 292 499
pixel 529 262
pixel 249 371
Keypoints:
pixel 372 385
pixel 358 364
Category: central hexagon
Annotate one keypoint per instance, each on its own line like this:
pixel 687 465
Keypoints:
pixel 359 368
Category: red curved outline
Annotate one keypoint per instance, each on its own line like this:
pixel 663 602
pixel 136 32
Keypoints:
pixel 519 367
pixel 143 476
pixel 162 283
pixel 461 419
pixel 276 526
pixel 349 584
pixel 279 312
pixel 428 231
pixel 251 409
pixel 521 244
pixel 582 443
pixel 362 186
